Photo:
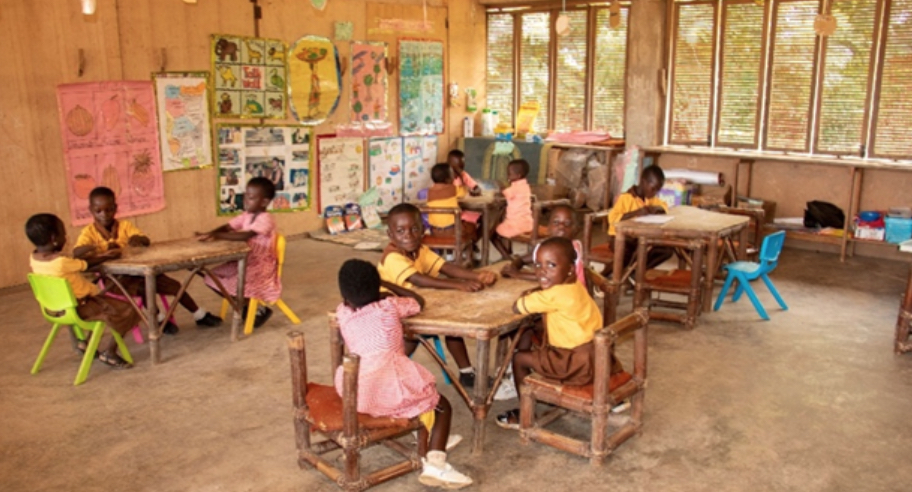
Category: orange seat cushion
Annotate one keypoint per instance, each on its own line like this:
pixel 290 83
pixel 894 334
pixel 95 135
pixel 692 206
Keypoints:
pixel 604 250
pixel 444 241
pixel 325 406
pixel 582 392
pixel 673 278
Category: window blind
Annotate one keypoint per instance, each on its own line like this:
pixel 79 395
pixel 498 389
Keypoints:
pixel 610 73
pixel 742 41
pixel 499 87
pixel 894 111
pixel 693 69
pixel 534 60
pixel 570 97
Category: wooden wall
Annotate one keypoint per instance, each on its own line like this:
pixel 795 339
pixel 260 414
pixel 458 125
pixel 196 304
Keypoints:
pixel 124 39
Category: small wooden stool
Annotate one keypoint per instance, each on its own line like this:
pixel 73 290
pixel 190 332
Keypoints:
pixel 684 282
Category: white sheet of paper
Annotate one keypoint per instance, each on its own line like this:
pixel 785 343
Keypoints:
pixel 654 219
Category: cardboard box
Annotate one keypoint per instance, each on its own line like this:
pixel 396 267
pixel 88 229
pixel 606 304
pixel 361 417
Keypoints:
pixel 676 192
pixel 872 233
pixel 709 196
pixel 769 207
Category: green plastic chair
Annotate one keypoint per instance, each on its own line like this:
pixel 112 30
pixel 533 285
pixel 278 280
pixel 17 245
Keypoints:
pixel 55 295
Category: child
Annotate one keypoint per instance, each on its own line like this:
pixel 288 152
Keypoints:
pixel 570 322
pixel 518 218
pixel 389 383
pixel 463 182
pixel 47 233
pixel 408 263
pixel 640 200
pixel 442 194
pixel 258 229
pixel 108 233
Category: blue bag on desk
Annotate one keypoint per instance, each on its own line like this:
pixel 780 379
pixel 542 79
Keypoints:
pixel 819 214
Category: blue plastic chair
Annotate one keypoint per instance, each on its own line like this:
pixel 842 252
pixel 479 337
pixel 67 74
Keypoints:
pixel 745 271
pixel 438 347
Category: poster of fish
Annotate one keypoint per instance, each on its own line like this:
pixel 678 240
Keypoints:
pixel 385 163
pixel 110 138
pixel 315 79
pixel 182 101
pixel 249 77
pixel 340 164
pixel 369 89
pixel 421 88
pixel 281 154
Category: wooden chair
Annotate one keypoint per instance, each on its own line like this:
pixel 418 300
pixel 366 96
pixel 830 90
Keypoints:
pixel 458 244
pixel 601 253
pixel 755 234
pixel 319 410
pixel 594 400
pixel 539 231
pixel 679 281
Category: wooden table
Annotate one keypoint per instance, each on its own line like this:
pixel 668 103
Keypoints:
pixel 688 223
pixel 904 320
pixel 175 255
pixel 484 316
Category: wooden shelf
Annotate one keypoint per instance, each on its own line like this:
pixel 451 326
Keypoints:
pixel 872 241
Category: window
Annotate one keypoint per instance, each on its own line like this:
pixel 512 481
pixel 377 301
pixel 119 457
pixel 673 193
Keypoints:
pixel 555 71
pixel 756 75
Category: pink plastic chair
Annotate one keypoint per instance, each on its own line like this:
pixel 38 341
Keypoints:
pixel 137 330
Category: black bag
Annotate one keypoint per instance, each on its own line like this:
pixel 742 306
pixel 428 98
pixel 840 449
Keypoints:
pixel 823 214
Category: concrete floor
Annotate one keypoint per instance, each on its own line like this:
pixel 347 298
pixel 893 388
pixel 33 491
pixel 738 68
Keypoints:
pixel 813 400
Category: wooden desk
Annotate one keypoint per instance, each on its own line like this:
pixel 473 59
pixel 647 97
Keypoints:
pixel 483 316
pixel 176 255
pixel 688 223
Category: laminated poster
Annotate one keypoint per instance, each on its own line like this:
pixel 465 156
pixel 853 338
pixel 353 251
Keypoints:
pixel 341 170
pixel 420 87
pixel 182 100
pixel 315 79
pixel 110 138
pixel 419 155
pixel 386 161
pixel 249 76
pixel 279 153
pixel 369 83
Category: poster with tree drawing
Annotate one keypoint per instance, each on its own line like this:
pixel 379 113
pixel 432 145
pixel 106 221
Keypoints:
pixel 182 101
pixel 369 87
pixel 249 77
pixel 420 87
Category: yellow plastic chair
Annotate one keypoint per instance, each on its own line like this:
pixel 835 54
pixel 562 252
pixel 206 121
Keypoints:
pixel 252 308
pixel 58 306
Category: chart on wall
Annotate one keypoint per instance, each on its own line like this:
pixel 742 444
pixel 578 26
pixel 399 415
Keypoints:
pixel 420 87
pixel 182 101
pixel 281 154
pixel 340 161
pixel 400 167
pixel 315 79
pixel 419 155
pixel 369 83
pixel 110 138
pixel 249 77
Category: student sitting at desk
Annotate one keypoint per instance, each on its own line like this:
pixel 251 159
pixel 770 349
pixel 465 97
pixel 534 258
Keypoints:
pixel 518 217
pixel 442 194
pixel 462 180
pixel 640 200
pixel 408 263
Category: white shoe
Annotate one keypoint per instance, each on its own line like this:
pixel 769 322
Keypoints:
pixel 506 391
pixel 621 407
pixel 452 441
pixel 445 476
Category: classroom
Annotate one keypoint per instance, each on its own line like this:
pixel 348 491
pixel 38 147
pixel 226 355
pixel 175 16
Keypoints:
pixel 516 244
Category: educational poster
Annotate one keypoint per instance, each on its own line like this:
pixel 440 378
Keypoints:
pixel 279 153
pixel 248 77
pixel 341 170
pixel 182 100
pixel 385 167
pixel 110 138
pixel 420 87
pixel 369 83
pixel 315 79
pixel 417 165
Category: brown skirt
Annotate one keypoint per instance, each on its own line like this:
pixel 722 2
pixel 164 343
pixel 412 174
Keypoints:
pixel 575 367
pixel 117 314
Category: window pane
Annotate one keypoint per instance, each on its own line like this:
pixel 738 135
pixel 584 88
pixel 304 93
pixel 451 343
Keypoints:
pixel 500 65
pixel 741 56
pixel 570 100
pixel 792 75
pixel 894 112
pixel 534 75
pixel 610 73
pixel 692 83
pixel 845 79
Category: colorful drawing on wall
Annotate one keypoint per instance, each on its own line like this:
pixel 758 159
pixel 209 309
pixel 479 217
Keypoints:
pixel 385 161
pixel 343 31
pixel 110 138
pixel 420 87
pixel 279 153
pixel 340 162
pixel 249 77
pixel 419 155
pixel 369 83
pixel 314 79
pixel 182 100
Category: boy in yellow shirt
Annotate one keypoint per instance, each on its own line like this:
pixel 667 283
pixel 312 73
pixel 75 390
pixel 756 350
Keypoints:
pixel 107 233
pixel 443 194
pixel 640 200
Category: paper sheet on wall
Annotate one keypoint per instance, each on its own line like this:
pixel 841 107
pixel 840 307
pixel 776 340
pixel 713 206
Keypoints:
pixel 369 83
pixel 249 76
pixel 281 154
pixel 417 168
pixel 314 79
pixel 341 170
pixel 385 166
pixel 182 100
pixel 420 87
pixel 110 138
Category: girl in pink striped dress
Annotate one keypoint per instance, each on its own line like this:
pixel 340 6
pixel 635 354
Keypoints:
pixel 258 229
pixel 389 383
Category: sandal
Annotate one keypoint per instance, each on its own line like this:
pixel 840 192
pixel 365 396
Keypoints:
pixel 114 361
pixel 509 419
pixel 80 346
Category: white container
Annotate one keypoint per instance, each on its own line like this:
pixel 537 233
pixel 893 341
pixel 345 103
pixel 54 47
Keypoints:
pixel 487 123
pixel 468 127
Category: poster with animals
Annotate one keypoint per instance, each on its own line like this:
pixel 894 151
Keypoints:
pixel 281 154
pixel 182 100
pixel 420 87
pixel 110 138
pixel 369 83
pixel 249 77
pixel 314 79
pixel 340 164
pixel 385 162
pixel 419 156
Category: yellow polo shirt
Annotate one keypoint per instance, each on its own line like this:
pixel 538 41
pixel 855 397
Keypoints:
pixel 572 316
pixel 93 235
pixel 396 268
pixel 628 202
pixel 69 268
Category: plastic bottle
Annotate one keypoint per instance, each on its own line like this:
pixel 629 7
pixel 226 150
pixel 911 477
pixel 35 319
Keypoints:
pixel 468 127
pixel 487 123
